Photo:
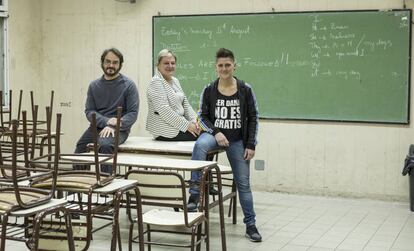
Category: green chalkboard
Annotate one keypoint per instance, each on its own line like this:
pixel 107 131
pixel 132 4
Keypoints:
pixel 336 66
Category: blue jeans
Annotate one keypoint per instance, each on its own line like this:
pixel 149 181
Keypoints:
pixel 106 145
pixel 239 166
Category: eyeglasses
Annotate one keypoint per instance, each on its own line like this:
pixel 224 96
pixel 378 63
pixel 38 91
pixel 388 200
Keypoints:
pixel 108 62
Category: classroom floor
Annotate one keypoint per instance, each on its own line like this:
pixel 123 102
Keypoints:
pixel 295 222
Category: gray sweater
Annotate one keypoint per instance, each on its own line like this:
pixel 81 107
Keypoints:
pixel 104 96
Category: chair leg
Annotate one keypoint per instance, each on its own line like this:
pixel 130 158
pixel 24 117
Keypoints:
pixel 115 225
pixel 38 219
pixel 234 205
pixel 230 208
pixel 4 219
pixel 130 235
pixel 199 228
pixel 88 216
pixel 139 219
pixel 207 234
pixel 149 237
pixel 193 234
pixel 128 207
pixel 80 200
pixel 69 230
pixel 119 239
pixel 36 229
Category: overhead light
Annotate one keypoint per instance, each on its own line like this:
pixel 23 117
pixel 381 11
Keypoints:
pixel 131 1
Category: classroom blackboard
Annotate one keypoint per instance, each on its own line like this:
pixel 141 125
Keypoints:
pixel 335 66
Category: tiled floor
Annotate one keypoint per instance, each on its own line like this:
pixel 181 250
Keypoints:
pixel 294 222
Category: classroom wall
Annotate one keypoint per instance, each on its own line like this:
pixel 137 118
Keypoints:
pixel 56 44
pixel 26 48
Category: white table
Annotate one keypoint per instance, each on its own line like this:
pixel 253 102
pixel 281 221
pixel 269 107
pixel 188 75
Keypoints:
pixel 136 144
pixel 176 149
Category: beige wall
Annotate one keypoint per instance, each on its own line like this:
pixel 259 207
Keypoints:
pixel 25 46
pixel 55 44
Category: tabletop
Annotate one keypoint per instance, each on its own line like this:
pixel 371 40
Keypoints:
pixel 137 144
pixel 152 162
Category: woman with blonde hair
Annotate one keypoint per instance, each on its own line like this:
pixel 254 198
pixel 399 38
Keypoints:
pixel 170 115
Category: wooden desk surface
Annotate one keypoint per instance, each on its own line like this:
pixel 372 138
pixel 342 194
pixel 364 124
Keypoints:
pixel 136 144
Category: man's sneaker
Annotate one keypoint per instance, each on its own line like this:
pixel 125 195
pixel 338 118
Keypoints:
pixel 252 234
pixel 75 216
pixel 213 191
pixel 193 203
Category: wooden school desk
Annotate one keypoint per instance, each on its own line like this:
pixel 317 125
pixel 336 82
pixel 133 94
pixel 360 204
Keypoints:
pixel 181 149
pixel 142 161
pixel 150 146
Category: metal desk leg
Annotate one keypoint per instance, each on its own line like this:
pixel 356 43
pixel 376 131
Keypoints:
pixel 115 221
pixel 205 189
pixel 4 219
pixel 139 221
pixel 204 193
pixel 221 209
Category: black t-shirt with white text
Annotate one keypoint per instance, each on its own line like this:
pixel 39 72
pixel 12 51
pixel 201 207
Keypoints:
pixel 228 117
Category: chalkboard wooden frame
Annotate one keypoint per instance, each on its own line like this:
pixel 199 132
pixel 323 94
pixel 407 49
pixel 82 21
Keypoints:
pixel 405 110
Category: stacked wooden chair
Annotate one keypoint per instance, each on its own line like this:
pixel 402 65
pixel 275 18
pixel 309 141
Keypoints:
pixel 5 123
pixel 36 127
pixel 19 199
pixel 90 193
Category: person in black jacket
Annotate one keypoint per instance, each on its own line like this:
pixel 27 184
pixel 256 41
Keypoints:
pixel 229 118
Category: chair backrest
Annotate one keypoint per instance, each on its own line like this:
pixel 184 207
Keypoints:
pixel 52 93
pixel 95 158
pixel 162 189
pixel 20 139
pixel 33 105
pixel 6 124
pixel 102 180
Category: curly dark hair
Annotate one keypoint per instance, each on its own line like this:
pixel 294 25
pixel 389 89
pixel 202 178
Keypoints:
pixel 114 51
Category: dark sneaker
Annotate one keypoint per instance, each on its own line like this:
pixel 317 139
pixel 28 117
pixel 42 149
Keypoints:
pixel 75 216
pixel 213 191
pixel 252 234
pixel 193 203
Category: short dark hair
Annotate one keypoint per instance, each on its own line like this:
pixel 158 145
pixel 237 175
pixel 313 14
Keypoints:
pixel 114 51
pixel 224 53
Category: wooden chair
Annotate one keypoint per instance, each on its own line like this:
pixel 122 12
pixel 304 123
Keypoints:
pixel 5 123
pixel 167 189
pixel 84 187
pixel 41 133
pixel 19 199
pixel 84 179
pixel 36 127
pixel 7 140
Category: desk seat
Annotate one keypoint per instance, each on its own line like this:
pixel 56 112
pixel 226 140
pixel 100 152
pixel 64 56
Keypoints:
pixel 68 181
pixel 9 202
